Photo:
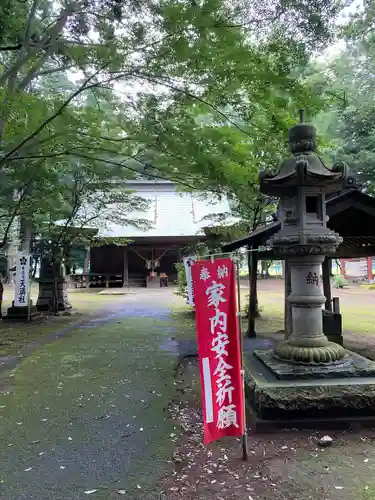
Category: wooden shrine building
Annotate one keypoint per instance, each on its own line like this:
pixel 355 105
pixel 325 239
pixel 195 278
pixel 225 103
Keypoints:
pixel 141 262
pixel 177 221
pixel 351 214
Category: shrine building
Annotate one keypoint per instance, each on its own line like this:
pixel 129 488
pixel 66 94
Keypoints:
pixel 176 222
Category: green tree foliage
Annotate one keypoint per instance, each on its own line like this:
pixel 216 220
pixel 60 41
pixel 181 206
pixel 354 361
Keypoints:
pixel 196 89
pixel 347 81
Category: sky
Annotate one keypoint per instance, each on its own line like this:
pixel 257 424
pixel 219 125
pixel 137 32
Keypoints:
pixel 337 47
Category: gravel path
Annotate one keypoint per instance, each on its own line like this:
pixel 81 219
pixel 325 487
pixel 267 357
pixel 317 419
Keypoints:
pixel 85 416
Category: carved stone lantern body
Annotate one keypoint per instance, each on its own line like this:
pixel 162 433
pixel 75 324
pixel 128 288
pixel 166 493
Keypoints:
pixel 302 183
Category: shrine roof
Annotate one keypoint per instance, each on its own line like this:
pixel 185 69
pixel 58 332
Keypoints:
pixel 170 213
pixel 351 213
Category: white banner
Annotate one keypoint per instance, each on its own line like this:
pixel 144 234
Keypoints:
pixel 21 298
pixel 188 262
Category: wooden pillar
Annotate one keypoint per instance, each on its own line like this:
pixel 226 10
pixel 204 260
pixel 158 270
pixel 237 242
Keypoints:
pixel 336 305
pixel 327 270
pixel 86 261
pixel 287 307
pixel 125 281
pixel 342 267
pixel 369 268
pixel 85 271
pixel 253 306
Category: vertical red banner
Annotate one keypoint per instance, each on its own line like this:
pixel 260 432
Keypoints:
pixel 218 348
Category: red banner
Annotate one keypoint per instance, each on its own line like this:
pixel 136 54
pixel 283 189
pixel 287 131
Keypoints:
pixel 218 348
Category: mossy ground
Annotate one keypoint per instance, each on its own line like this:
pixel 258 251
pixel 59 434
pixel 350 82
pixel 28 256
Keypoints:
pixel 88 412
pixel 14 336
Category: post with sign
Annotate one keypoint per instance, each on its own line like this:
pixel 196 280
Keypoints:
pixel 21 298
pixel 22 309
pixel 188 263
pixel 219 348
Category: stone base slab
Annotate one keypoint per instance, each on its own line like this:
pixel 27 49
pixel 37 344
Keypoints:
pixel 353 365
pixel 16 313
pixel 45 297
pixel 330 402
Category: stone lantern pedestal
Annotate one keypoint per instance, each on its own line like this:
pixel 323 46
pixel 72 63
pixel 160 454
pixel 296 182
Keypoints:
pixel 307 344
pixel 306 377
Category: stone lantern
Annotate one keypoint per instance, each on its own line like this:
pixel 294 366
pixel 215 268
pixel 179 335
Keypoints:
pixel 301 183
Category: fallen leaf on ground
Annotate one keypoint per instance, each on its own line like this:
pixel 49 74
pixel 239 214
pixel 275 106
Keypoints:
pixel 88 492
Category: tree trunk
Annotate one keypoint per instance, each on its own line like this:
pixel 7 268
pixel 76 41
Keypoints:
pixel 11 262
pixel 287 306
pixel 26 235
pixel 326 272
pixel 1 298
pixel 253 313
pixel 35 266
pixel 55 299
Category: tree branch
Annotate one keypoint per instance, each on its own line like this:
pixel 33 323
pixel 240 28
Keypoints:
pixel 25 56
pixel 11 47
pixel 58 112
pixel 171 86
pixel 118 164
pixel 29 24
pixel 53 70
pixel 14 213
pixel 53 40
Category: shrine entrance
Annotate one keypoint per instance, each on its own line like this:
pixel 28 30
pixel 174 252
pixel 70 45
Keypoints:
pixel 145 262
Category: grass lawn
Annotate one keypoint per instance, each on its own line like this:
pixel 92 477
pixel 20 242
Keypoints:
pixel 357 306
pixel 86 304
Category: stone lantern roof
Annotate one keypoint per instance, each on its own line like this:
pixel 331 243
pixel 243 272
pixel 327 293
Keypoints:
pixel 305 168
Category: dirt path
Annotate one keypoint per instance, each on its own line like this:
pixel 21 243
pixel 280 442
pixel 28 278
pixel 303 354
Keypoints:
pixel 85 417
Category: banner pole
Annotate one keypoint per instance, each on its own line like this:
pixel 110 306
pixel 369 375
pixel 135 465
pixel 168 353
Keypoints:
pixel 245 450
